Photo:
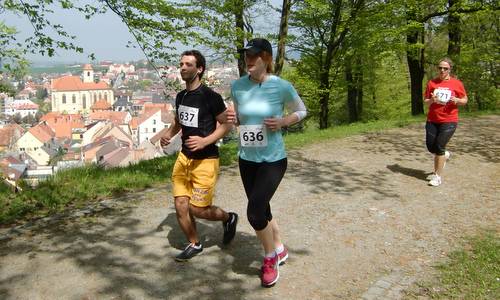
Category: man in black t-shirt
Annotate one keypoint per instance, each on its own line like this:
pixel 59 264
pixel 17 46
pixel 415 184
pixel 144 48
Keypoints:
pixel 198 109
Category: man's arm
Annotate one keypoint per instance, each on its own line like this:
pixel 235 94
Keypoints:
pixel 171 132
pixel 195 143
pixel 227 116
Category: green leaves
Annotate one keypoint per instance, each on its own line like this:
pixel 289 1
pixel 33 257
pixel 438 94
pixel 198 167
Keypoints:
pixel 46 37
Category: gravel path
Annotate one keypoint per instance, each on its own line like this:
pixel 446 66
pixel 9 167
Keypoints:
pixel 356 213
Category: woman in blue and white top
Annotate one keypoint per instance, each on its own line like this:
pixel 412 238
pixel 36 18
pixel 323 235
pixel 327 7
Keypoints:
pixel 260 102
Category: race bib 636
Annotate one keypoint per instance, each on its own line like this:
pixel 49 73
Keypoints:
pixel 253 136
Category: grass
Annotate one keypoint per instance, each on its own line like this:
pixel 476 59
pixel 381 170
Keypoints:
pixel 473 272
pixel 76 187
pixel 312 135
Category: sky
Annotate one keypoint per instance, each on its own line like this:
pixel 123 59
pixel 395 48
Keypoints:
pixel 104 35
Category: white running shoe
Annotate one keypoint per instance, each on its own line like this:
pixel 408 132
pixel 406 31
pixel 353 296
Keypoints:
pixel 447 155
pixel 435 180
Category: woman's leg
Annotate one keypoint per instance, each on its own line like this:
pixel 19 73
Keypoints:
pixel 266 239
pixel 439 164
pixel 431 133
pixel 276 234
pixel 445 132
pixel 261 181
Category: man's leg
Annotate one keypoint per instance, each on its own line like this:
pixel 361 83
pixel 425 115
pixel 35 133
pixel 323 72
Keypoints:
pixel 188 225
pixel 204 178
pixel 185 219
pixel 215 213
pixel 211 213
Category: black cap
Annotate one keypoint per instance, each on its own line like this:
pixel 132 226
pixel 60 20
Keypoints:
pixel 258 45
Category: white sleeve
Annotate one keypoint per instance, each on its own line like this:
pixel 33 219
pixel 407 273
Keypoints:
pixel 297 107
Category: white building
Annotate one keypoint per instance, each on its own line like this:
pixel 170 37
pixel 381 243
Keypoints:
pixel 21 106
pixel 149 124
pixel 71 94
pixel 119 68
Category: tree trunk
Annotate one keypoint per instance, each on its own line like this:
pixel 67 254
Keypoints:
pixel 351 93
pixel 324 76
pixel 354 79
pixel 358 79
pixel 416 87
pixel 454 35
pixel 478 100
pixel 415 57
pixel 240 41
pixel 280 55
pixel 324 97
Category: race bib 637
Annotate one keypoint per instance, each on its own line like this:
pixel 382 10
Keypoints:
pixel 188 116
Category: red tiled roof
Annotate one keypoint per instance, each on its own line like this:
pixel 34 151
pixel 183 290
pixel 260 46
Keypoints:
pixel 24 92
pixel 117 117
pixel 11 173
pixel 147 114
pixel 9 160
pixel 134 123
pixel 71 155
pixel 28 106
pixel 162 106
pixel 74 83
pixel 49 115
pixel 8 132
pixel 63 124
pixel 42 132
pixel 101 105
pixel 114 158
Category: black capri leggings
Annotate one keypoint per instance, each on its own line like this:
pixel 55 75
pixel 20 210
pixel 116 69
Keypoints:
pixel 437 135
pixel 261 181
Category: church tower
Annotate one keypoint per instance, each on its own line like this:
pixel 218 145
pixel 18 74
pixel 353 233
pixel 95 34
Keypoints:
pixel 88 74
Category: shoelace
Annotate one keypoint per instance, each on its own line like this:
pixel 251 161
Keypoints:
pixel 193 246
pixel 226 225
pixel 268 264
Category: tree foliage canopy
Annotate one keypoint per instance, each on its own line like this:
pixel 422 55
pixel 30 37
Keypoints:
pixel 356 59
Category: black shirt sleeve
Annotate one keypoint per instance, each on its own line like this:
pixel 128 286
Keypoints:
pixel 217 105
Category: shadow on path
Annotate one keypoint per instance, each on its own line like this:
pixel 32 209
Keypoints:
pixel 337 177
pixel 121 254
pixel 419 174
pixel 126 257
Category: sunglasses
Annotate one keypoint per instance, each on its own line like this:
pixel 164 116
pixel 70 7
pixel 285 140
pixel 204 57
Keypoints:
pixel 443 68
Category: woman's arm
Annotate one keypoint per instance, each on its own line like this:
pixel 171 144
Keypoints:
pixel 297 111
pixel 460 101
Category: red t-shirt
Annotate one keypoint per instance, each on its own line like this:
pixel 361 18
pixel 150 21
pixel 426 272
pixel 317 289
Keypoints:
pixel 444 89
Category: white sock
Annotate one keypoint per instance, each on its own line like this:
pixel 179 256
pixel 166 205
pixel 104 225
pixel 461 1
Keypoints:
pixel 280 249
pixel 270 255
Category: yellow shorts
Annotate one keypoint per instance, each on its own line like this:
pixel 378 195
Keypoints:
pixel 195 178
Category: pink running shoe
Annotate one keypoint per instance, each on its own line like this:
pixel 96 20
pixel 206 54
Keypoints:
pixel 283 256
pixel 269 271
